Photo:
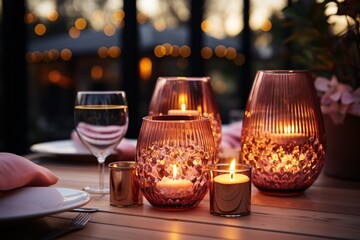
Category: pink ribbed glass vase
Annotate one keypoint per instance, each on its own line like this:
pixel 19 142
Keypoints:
pixel 173 156
pixel 283 134
pixel 192 96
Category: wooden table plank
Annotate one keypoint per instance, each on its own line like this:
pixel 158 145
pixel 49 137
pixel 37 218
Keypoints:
pixel 136 227
pixel 329 209
pixel 337 200
pixel 262 218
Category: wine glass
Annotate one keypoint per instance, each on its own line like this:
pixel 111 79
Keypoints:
pixel 101 121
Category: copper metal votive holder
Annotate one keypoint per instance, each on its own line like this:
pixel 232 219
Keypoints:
pixel 230 191
pixel 124 189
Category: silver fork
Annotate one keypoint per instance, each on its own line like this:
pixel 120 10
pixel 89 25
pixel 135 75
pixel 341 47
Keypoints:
pixel 78 223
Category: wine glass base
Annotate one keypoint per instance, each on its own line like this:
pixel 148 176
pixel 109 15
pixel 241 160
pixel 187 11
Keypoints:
pixel 96 190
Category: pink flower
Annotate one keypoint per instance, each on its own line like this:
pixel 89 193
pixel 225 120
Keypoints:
pixel 354 100
pixel 337 99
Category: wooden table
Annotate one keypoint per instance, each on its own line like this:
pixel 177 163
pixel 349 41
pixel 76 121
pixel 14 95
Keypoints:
pixel 330 209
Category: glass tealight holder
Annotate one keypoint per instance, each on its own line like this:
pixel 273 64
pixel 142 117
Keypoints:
pixel 283 134
pixel 192 96
pixel 173 155
pixel 230 189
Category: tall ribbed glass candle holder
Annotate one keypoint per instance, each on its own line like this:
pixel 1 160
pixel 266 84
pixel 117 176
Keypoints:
pixel 283 135
pixel 173 155
pixel 192 96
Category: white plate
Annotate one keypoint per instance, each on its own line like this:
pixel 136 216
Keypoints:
pixel 31 202
pixel 65 147
pixel 62 147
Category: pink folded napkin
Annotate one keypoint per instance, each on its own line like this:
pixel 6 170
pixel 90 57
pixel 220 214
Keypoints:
pixel 125 150
pixel 231 135
pixel 17 171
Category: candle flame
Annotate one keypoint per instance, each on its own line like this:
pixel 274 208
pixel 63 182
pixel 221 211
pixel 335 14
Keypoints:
pixel 232 169
pixel 183 107
pixel 174 171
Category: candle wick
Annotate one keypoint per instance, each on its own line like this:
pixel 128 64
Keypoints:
pixel 232 175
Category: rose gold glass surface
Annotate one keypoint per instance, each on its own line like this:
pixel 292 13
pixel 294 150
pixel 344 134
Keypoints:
pixel 187 96
pixel 283 135
pixel 173 155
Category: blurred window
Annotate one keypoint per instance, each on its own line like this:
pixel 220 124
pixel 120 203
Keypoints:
pixel 76 45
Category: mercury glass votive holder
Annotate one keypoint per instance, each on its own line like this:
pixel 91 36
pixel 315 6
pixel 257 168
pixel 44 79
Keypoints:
pixel 230 189
pixel 173 155
pixel 193 96
pixel 283 134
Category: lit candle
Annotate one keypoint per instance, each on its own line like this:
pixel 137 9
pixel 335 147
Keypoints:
pixel 174 188
pixel 183 111
pixel 231 178
pixel 230 193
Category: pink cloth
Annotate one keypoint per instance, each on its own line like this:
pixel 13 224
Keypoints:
pixel 126 149
pixel 231 135
pixel 17 171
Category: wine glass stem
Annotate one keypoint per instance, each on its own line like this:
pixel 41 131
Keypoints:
pixel 101 167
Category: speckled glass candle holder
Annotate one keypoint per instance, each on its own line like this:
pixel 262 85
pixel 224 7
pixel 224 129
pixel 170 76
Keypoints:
pixel 172 160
